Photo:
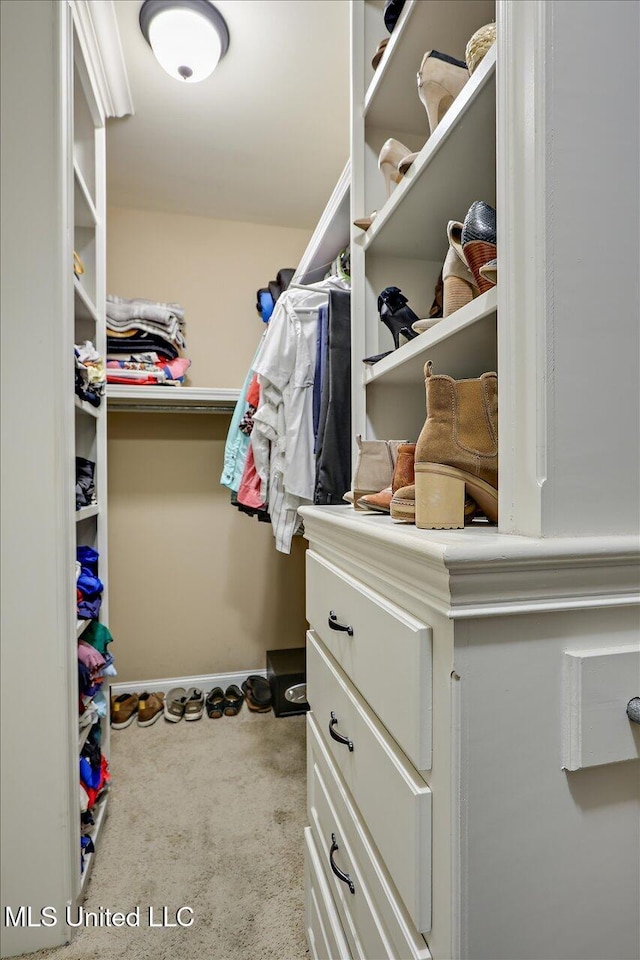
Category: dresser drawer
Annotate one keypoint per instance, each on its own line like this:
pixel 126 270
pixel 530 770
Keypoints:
pixel 324 932
pixel 392 799
pixel 373 917
pixel 385 650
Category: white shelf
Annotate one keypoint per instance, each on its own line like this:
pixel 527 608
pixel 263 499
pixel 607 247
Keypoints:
pixel 151 399
pixel 331 234
pixel 84 307
pixel 86 512
pixel 81 626
pixel 100 814
pixel 85 407
pixel 456 166
pixel 392 101
pixel 461 345
pixel 84 214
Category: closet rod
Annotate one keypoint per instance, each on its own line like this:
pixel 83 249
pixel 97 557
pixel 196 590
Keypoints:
pixel 169 408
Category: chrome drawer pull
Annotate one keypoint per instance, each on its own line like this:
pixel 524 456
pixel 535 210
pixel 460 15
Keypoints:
pixel 338 872
pixel 338 736
pixel 336 625
pixel 633 710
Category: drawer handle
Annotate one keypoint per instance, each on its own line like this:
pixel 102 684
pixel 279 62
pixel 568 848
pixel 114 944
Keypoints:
pixel 633 710
pixel 335 624
pixel 338 736
pixel 340 874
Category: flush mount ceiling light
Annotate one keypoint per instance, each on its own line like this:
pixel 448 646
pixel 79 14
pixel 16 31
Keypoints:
pixel 188 37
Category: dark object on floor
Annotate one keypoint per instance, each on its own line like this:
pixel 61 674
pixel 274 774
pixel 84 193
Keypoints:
pixel 214 704
pixel 233 700
pixel 392 10
pixel 258 694
pixel 286 669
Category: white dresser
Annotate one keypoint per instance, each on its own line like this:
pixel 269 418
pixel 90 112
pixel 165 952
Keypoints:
pixel 473 781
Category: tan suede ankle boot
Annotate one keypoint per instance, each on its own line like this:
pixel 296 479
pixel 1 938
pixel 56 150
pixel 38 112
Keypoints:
pixel 457 451
pixel 402 475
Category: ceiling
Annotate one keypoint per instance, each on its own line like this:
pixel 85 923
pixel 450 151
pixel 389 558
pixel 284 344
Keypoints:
pixel 263 139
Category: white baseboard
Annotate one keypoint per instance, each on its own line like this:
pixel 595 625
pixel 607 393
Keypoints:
pixel 205 683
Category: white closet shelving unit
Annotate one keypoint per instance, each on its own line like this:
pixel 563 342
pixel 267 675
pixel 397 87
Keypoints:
pixel 331 234
pixel 467 823
pixel 125 399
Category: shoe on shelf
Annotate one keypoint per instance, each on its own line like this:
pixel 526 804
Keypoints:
pixel 233 700
pixel 194 705
pixel 435 311
pixel 391 155
pixel 402 475
pixel 457 451
pixel 490 272
pixel 174 704
pixel 365 222
pixel 403 505
pixel 258 694
pixel 377 57
pixel 405 165
pixel 124 709
pixel 374 468
pixel 78 265
pixel 459 285
pixel 479 45
pixel 214 703
pixel 392 10
pixel 479 240
pixel 396 314
pixel 440 80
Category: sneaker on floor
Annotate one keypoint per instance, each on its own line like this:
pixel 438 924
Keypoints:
pixel 124 709
pixel 194 707
pixel 174 704
pixel 150 707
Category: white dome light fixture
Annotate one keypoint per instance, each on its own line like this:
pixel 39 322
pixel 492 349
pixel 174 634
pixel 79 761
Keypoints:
pixel 188 37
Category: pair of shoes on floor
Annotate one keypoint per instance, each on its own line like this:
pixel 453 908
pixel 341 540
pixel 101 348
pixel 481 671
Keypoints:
pixel 227 703
pixel 146 708
pixel 180 703
pixel 257 690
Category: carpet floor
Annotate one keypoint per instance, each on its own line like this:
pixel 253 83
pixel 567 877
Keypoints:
pixel 207 815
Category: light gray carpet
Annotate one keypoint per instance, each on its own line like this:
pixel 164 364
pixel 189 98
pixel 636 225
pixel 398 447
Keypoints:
pixel 209 815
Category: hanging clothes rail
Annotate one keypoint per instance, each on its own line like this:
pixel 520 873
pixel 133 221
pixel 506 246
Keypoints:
pixel 124 399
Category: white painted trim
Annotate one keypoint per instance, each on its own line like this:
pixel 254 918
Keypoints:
pixel 478 572
pixel 206 682
pixel 97 27
pixel 331 232
pixel 521 84
pixel 151 399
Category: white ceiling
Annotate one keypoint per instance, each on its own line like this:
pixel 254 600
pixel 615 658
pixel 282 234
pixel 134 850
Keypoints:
pixel 263 139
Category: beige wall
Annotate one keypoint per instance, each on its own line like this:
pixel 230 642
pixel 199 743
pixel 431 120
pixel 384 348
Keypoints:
pixel 195 587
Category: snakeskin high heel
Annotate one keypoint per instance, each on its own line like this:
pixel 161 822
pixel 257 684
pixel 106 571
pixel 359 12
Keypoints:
pixel 479 240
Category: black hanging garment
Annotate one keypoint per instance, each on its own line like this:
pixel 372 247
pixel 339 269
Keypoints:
pixel 333 443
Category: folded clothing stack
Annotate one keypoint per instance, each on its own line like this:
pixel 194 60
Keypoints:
pixel 89 587
pixel 85 485
pixel 94 778
pixel 95 665
pixel 91 375
pixel 144 342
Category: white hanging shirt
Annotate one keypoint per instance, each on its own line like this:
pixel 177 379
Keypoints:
pixel 282 436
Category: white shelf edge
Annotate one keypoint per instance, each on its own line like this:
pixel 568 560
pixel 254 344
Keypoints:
pixel 82 295
pixel 86 512
pixel 81 626
pixel 84 190
pixel 86 407
pixel 454 115
pixel 121 397
pixel 395 41
pixel 95 835
pixel 338 204
pixel 463 318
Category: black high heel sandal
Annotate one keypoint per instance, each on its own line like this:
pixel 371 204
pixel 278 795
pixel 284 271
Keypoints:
pixel 396 315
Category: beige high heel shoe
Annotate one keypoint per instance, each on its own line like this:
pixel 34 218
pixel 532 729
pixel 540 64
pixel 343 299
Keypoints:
pixel 391 155
pixel 440 80
pixel 459 287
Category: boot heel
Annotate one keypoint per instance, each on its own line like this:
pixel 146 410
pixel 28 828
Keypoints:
pixel 457 293
pixel 439 500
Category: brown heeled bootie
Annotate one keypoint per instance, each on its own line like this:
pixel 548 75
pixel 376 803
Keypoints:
pixel 402 475
pixel 457 451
